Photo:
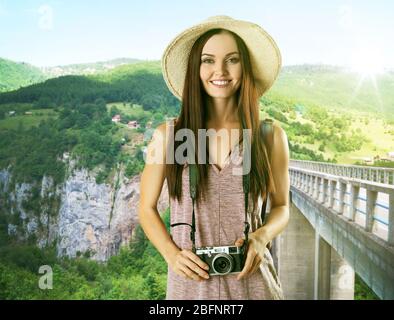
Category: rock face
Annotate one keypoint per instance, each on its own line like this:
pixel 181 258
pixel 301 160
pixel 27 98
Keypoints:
pixel 91 217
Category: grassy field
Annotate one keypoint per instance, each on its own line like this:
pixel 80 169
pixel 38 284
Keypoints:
pixel 379 133
pixel 27 120
pixel 128 109
pixel 336 89
pixel 381 140
pixel 134 137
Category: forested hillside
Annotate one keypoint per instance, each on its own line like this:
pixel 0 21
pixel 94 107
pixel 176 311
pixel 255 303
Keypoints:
pixel 14 75
pixel 338 89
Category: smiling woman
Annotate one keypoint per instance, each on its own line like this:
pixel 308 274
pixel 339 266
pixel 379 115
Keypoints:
pixel 218 69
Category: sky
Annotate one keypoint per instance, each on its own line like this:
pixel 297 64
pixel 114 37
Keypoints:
pixel 59 32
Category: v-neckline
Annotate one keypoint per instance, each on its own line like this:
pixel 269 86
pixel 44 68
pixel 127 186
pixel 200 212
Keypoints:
pixel 227 160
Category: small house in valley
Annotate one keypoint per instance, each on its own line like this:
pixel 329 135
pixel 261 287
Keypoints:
pixel 116 118
pixel 133 124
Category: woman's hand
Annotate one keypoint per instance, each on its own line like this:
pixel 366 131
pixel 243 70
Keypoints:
pixel 188 265
pixel 253 259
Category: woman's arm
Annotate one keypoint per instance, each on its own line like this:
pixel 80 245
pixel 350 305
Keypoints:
pixel 278 218
pixel 152 180
pixel 183 262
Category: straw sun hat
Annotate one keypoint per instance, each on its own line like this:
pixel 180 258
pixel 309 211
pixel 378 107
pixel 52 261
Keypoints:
pixel 264 53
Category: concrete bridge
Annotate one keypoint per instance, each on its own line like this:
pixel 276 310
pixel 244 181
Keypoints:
pixel 341 223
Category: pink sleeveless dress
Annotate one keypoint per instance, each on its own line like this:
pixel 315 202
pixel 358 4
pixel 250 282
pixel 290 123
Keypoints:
pixel 219 222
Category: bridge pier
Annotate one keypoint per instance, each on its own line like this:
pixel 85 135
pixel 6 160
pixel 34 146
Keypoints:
pixel 342 278
pixel 296 257
pixel 309 268
pixel 334 277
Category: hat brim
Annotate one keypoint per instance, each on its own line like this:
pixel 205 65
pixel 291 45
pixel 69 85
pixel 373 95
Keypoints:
pixel 264 54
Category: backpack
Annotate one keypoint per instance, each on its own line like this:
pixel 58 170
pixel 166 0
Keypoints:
pixel 266 127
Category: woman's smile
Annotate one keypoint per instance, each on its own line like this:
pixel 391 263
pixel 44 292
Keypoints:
pixel 220 83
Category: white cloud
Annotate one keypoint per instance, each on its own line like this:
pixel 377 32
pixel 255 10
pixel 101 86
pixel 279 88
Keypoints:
pixel 45 21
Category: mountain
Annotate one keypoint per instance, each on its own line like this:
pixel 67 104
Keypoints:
pixel 336 89
pixel 86 68
pixel 14 75
pixel 140 83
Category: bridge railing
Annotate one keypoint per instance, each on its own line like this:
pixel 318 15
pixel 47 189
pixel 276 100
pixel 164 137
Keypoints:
pixel 376 174
pixel 367 203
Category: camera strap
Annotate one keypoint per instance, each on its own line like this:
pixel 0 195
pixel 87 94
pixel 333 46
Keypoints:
pixel 267 133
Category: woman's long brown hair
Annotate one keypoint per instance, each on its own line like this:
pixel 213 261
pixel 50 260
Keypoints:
pixel 193 116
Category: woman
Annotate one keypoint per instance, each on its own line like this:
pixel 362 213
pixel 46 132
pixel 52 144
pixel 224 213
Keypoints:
pixel 218 69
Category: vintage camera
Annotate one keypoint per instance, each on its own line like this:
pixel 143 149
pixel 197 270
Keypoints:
pixel 223 260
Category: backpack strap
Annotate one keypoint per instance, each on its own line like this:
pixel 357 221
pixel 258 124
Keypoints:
pixel 267 132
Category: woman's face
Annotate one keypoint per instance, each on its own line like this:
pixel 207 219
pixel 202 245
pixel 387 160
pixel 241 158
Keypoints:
pixel 220 60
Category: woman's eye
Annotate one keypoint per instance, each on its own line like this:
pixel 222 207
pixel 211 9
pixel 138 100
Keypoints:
pixel 233 60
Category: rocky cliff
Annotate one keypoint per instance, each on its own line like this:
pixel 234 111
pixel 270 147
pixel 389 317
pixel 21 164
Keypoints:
pixel 80 216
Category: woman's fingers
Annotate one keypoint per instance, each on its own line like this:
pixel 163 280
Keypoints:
pixel 248 263
pixel 252 262
pixel 189 265
pixel 179 272
pixel 189 273
pixel 195 268
pixel 196 259
pixel 255 268
pixel 239 242
pixel 256 264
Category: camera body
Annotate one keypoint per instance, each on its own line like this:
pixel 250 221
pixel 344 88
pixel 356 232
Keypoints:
pixel 223 260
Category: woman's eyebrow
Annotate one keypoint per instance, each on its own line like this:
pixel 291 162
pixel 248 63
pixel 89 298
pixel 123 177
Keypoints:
pixel 212 55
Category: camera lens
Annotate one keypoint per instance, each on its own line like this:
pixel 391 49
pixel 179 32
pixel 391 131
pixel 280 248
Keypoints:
pixel 223 263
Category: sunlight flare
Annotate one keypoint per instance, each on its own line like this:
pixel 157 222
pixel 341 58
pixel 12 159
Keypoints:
pixel 367 61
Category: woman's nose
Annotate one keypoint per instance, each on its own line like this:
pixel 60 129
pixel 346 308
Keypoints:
pixel 220 68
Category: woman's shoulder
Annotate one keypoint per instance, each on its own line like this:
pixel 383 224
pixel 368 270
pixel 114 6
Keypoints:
pixel 167 123
pixel 280 148
pixel 163 129
pixel 278 131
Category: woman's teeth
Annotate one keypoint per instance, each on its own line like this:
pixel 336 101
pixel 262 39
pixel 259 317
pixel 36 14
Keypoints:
pixel 221 83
